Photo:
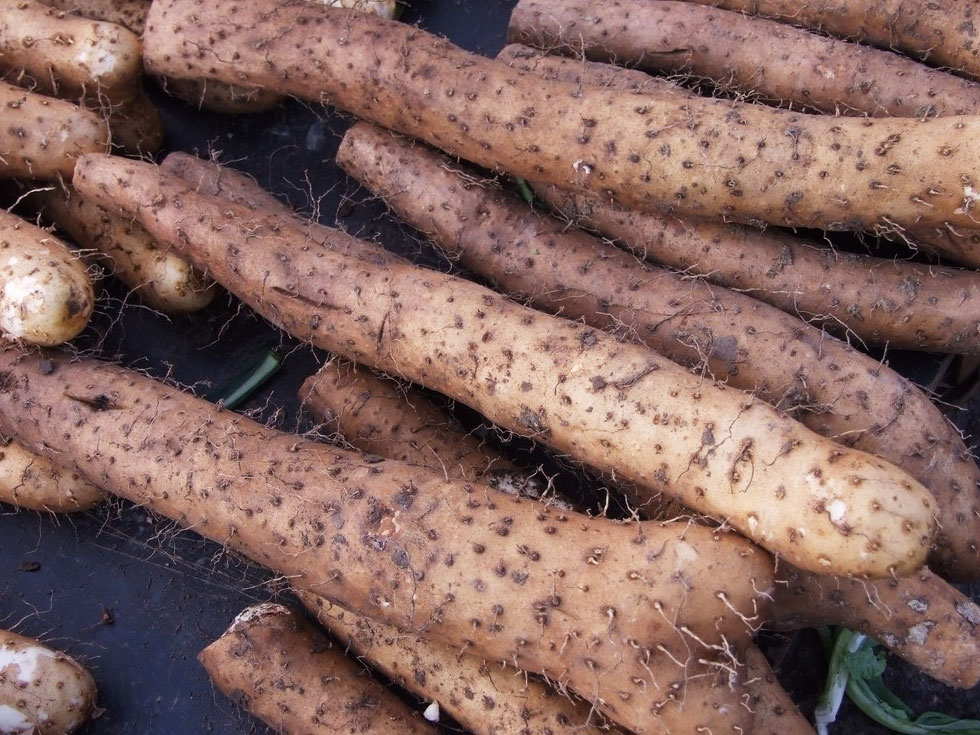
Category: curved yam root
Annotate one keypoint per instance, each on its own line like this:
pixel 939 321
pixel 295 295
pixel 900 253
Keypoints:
pixel 31 481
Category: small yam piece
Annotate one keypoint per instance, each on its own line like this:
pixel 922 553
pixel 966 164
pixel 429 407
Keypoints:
pixel 42 691
pixel 46 295
pixel 279 668
pixel 28 480
pixel 69 56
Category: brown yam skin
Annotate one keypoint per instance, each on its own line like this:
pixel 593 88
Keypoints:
pixel 41 137
pixel 886 321
pixel 380 417
pixel 161 278
pixel 69 56
pixel 711 158
pixel 920 618
pixel 214 179
pixel 437 673
pixel 279 668
pixel 227 99
pixel 513 579
pixel 798 68
pixel 34 482
pixel 128 13
pixel 485 697
pixel 833 388
pixel 882 302
pixel 942 33
pixel 618 407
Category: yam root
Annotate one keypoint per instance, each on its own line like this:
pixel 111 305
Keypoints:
pixel 30 481
pixel 709 158
pixel 485 697
pixel 279 668
pixel 213 179
pixel 833 388
pixel 798 69
pixel 875 320
pixel 68 56
pixel 921 618
pixel 161 278
pixel 42 691
pixel 379 417
pixel 617 406
pixel 941 33
pixel 402 545
pixel 42 137
pixel 46 296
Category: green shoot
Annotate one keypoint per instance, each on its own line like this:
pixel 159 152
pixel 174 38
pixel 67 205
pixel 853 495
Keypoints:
pixel 236 390
pixel 856 666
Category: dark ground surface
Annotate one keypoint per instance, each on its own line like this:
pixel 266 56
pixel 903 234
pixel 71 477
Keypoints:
pixel 134 597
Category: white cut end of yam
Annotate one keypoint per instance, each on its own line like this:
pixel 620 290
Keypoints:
pixel 249 615
pixel 379 7
pixel 20 663
pixel 432 712
pixel 14 722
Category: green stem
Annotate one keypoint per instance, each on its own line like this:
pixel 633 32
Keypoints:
pixel 232 393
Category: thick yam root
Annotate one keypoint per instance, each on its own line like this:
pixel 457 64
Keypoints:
pixel 920 618
pixel 400 544
pixel 485 697
pixel 710 158
pixel 941 33
pixel 279 668
pixel 838 391
pixel 800 69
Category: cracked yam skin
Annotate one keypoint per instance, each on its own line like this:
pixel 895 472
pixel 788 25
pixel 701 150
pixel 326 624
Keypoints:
pixel 710 158
pixel 277 666
pixel 509 578
pixel 611 405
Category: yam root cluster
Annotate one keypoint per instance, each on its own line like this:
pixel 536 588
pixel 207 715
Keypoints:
pixel 403 545
pixel 615 403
